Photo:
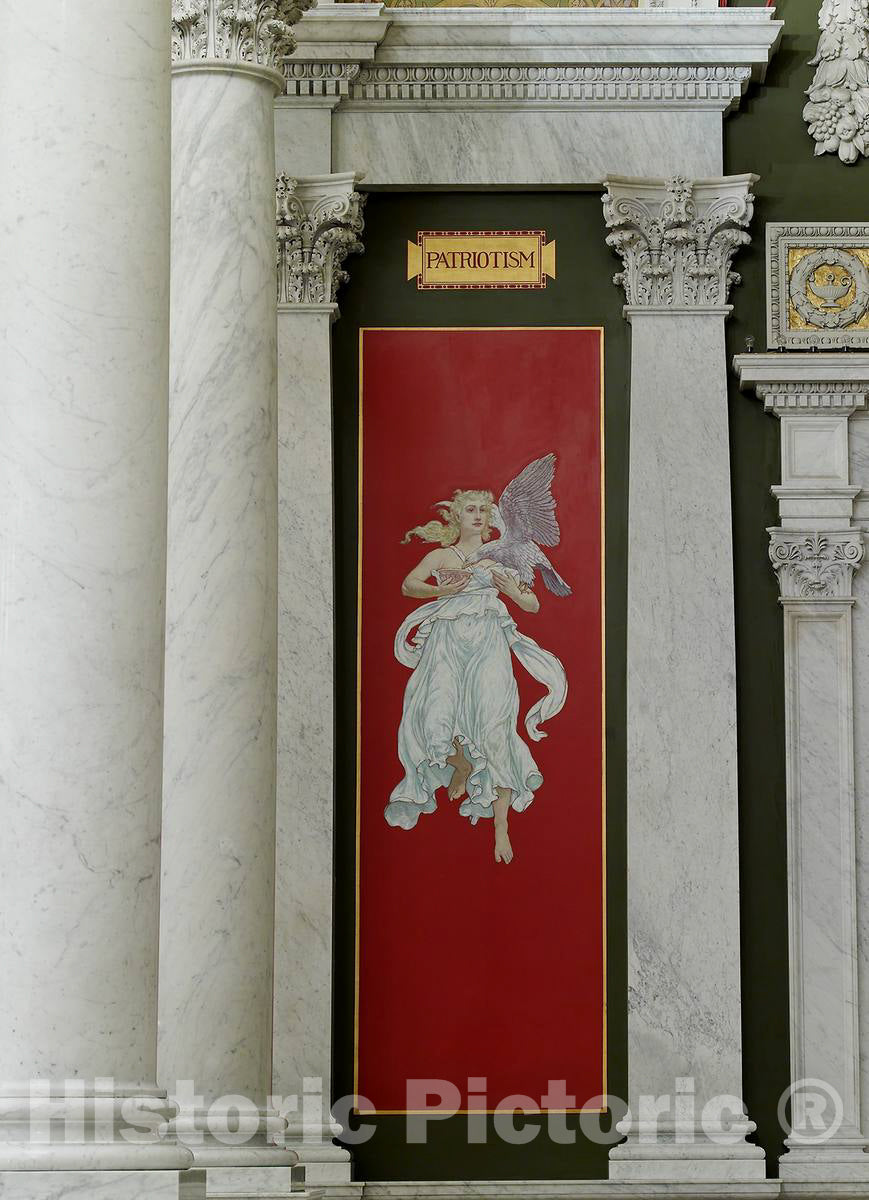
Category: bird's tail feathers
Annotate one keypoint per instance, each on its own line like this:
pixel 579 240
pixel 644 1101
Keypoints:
pixel 554 582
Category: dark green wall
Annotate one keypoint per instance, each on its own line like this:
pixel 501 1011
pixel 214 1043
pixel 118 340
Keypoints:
pixel 767 136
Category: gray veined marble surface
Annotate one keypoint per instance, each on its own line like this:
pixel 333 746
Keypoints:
pixel 816 551
pixel 217 904
pixel 684 1010
pixel 542 97
pixel 83 309
pixel 330 209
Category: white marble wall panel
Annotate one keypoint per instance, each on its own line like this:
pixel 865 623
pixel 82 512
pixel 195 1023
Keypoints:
pixel 819 715
pixel 466 147
pixel 218 822
pixel 303 924
pixel 319 225
pixel 251 1183
pixel 303 137
pixel 860 635
pixel 859 463
pixel 684 1006
pixel 683 906
pixel 102 1185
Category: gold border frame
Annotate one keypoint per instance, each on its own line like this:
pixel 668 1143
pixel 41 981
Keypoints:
pixel 370 1112
pixel 542 244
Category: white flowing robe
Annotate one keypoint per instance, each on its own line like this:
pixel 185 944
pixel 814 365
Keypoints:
pixel 463 687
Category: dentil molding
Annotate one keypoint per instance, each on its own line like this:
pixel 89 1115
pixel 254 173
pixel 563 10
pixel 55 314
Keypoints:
pixel 677 238
pixel 837 111
pixel 319 222
pixel 832 394
pixel 499 84
pixel 235 32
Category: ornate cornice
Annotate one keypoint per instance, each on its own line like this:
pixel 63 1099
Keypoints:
pixel 253 33
pixel 837 111
pixel 677 238
pixel 319 222
pixel 498 85
pixel 815 566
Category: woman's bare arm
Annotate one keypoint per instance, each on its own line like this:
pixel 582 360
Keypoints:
pixel 519 593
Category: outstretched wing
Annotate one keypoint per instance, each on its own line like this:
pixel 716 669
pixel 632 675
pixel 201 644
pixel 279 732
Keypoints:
pixel 527 506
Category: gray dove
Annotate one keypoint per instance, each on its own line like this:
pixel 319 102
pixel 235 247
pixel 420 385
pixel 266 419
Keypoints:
pixel 525 515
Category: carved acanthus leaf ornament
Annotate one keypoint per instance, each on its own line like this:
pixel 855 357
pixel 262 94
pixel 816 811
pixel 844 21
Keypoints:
pixel 837 111
pixel 316 230
pixel 257 32
pixel 677 240
pixel 815 566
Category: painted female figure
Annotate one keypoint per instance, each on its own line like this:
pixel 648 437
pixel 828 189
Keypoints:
pixel 461 705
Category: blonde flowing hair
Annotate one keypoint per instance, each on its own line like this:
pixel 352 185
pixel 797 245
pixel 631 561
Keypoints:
pixel 447 531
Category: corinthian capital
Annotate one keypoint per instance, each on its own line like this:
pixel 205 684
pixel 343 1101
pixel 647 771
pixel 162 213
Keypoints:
pixel 319 221
pixel 815 566
pixel 254 32
pixel 677 238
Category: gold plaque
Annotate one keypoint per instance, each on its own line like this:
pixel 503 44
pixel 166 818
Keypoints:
pixel 481 258
pixel 818 285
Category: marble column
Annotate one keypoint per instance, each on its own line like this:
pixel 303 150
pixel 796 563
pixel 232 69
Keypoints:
pixel 217 914
pixel 815 552
pixel 687 1121
pixel 319 221
pixel 84 258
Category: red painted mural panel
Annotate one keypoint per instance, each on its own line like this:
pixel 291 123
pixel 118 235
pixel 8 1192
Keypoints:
pixel 480 908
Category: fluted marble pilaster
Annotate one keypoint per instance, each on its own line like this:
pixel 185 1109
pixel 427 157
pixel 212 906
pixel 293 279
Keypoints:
pixel 84 246
pixel 676 239
pixel 319 222
pixel 217 922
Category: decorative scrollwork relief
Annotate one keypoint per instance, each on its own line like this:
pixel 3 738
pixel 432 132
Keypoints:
pixel 318 225
pixel 677 239
pixel 815 566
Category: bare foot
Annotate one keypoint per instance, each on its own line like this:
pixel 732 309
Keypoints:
pixel 503 849
pixel 461 770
